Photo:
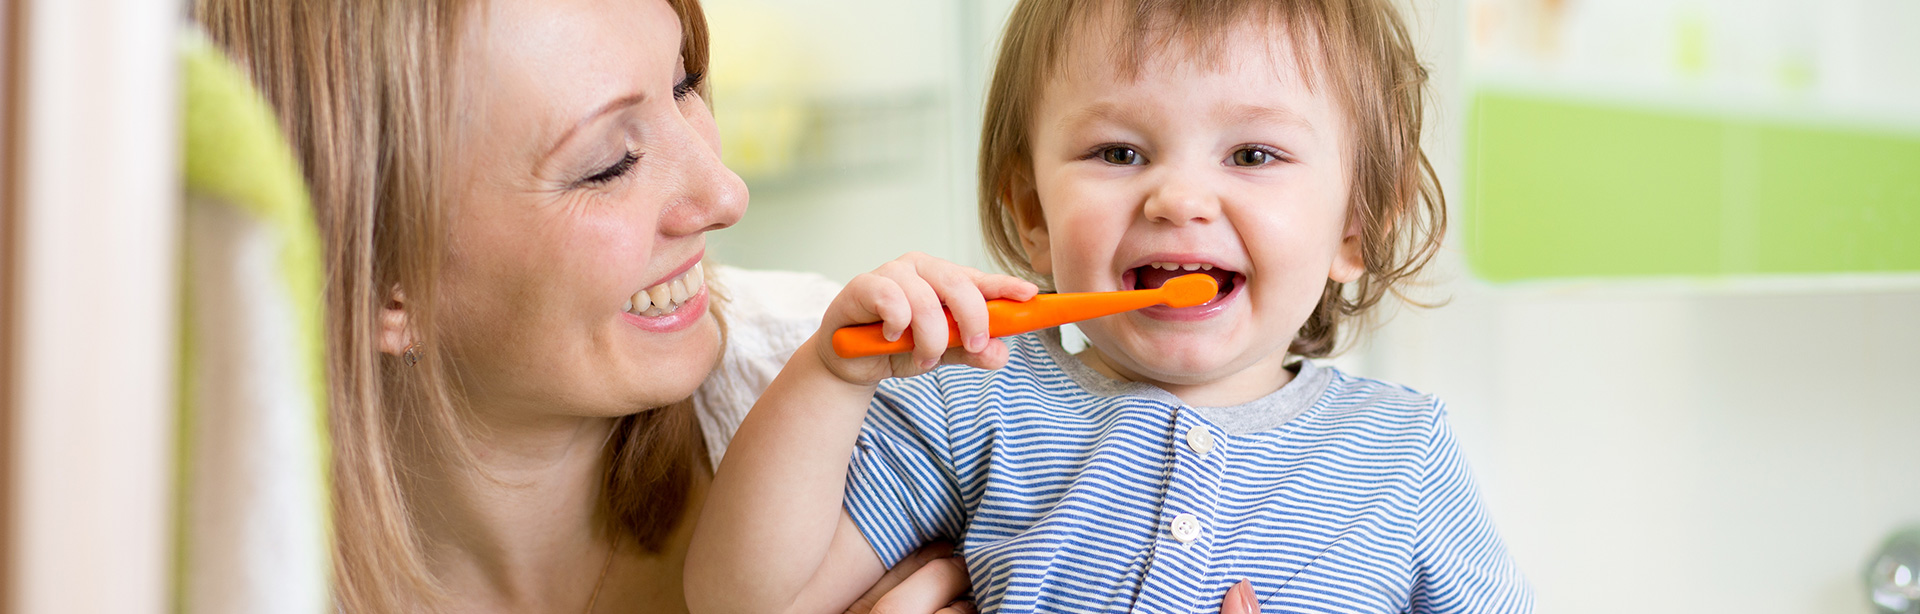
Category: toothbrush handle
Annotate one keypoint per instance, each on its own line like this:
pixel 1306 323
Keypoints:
pixel 868 340
pixel 1004 318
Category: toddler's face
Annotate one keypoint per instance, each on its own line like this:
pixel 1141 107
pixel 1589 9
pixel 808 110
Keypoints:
pixel 1236 169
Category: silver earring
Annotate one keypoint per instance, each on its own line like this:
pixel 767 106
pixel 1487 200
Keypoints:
pixel 412 355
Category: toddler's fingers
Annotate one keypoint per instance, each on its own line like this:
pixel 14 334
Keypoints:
pixel 1005 286
pixel 956 287
pixel 877 297
pixel 929 320
pixel 993 356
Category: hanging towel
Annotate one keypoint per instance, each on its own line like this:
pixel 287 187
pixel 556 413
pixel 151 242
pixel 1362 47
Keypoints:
pixel 253 515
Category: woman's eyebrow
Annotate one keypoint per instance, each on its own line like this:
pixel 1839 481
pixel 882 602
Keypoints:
pixel 609 107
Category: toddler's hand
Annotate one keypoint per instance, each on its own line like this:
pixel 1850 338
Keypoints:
pixel 906 296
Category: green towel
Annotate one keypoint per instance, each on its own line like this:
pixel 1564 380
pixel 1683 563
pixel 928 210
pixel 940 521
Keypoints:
pixel 254 523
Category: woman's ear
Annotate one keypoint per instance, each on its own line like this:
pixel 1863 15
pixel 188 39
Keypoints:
pixel 1024 202
pixel 1349 261
pixel 394 335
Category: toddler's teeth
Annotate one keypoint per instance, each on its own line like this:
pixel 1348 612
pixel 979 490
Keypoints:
pixel 1190 266
pixel 1206 267
pixel 679 290
pixel 659 295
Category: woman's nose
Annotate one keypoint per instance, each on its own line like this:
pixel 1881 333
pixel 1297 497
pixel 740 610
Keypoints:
pixel 712 196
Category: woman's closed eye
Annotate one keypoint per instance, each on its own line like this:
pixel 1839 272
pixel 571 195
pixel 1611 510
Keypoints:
pixel 608 174
pixel 687 85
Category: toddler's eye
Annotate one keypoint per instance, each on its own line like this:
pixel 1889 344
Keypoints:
pixel 1250 157
pixel 1121 155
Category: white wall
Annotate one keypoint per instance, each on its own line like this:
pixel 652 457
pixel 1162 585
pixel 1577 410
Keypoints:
pixel 1670 446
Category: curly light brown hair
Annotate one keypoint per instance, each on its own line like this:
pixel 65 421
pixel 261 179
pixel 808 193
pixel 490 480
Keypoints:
pixel 1365 57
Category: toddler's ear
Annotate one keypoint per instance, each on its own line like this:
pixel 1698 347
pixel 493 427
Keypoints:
pixel 1024 203
pixel 1348 261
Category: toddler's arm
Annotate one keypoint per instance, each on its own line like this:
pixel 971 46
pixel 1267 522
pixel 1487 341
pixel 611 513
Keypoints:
pixel 773 536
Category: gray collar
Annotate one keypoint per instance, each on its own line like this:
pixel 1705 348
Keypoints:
pixel 1310 381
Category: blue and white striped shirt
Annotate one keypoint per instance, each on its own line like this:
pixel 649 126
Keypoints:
pixel 1069 492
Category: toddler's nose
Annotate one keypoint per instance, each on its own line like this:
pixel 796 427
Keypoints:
pixel 1180 201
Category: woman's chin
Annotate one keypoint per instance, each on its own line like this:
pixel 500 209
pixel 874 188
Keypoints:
pixel 662 376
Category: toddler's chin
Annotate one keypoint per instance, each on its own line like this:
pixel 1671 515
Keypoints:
pixel 1181 364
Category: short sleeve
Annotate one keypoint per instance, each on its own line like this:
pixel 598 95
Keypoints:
pixel 902 491
pixel 1460 564
pixel 767 314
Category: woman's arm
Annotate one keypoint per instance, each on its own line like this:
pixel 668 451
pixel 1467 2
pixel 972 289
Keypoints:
pixel 773 536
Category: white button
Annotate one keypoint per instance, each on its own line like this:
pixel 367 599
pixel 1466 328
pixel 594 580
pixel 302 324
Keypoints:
pixel 1186 528
pixel 1200 438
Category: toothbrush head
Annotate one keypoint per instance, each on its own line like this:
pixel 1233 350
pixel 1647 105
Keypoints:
pixel 1189 290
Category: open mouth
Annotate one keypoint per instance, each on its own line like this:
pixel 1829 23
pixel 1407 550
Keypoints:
pixel 667 297
pixel 1155 274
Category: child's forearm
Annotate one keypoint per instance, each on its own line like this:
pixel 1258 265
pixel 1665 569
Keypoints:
pixel 772 512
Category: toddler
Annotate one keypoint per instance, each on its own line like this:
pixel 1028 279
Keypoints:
pixel 1273 145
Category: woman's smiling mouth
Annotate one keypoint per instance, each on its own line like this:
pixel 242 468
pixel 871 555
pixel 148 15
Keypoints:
pixel 671 305
pixel 668 296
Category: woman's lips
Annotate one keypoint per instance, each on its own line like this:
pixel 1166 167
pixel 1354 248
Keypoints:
pixel 679 319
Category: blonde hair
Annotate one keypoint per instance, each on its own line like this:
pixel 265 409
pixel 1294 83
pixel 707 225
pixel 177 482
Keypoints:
pixel 363 91
pixel 1370 62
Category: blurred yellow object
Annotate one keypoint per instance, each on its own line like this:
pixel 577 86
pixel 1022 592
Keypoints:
pixel 761 81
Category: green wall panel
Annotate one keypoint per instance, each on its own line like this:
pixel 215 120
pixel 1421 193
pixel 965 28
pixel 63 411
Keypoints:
pixel 1563 189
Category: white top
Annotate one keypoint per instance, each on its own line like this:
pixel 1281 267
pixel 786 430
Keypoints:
pixel 768 315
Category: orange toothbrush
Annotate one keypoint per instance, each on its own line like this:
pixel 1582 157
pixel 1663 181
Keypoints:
pixel 1006 317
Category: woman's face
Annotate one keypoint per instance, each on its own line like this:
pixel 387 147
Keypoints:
pixel 586 173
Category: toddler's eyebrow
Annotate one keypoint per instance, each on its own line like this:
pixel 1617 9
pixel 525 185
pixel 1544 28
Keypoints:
pixel 1097 112
pixel 1263 114
pixel 1229 113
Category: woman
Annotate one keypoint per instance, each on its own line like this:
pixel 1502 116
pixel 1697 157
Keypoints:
pixel 513 196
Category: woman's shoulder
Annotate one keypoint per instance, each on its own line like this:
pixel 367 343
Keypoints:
pixel 777 304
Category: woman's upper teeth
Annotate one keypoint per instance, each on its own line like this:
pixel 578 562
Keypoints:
pixel 664 298
pixel 1176 266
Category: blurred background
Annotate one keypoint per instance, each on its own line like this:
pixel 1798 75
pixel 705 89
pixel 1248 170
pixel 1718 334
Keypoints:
pixel 1683 330
pixel 1680 345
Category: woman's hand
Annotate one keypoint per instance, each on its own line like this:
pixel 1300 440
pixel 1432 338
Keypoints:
pixel 1240 600
pixel 931 580
pixel 906 296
